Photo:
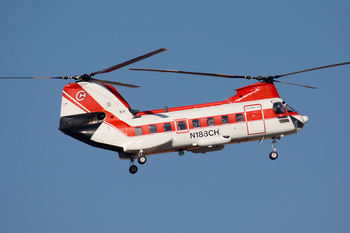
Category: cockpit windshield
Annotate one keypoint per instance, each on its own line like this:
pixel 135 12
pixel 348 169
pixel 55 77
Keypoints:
pixel 289 108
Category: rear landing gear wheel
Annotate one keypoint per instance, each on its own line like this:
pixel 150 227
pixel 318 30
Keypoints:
pixel 142 160
pixel 133 169
pixel 273 155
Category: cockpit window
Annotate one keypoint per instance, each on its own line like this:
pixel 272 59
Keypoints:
pixel 278 108
pixel 289 108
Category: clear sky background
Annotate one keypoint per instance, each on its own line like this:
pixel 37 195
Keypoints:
pixel 50 182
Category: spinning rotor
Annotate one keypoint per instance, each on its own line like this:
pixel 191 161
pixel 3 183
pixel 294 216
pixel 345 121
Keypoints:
pixel 268 79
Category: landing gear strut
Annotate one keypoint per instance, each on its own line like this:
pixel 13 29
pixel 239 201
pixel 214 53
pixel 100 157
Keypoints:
pixel 142 159
pixel 274 155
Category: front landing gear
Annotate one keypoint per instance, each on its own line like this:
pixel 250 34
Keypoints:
pixel 274 155
pixel 142 159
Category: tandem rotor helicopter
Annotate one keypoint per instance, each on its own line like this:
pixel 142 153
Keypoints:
pixel 94 112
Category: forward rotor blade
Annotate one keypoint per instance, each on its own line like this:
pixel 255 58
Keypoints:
pixel 195 73
pixel 107 70
pixel 317 68
pixel 113 83
pixel 295 84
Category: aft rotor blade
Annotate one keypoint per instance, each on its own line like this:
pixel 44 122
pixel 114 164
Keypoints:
pixel 113 83
pixel 195 73
pixel 66 77
pixel 317 68
pixel 295 84
pixel 107 70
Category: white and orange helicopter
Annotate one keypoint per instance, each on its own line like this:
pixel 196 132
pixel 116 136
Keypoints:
pixel 94 112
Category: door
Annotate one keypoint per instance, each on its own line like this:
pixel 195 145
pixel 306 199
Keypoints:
pixel 255 119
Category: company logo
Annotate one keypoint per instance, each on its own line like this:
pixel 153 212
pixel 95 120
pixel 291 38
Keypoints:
pixel 80 95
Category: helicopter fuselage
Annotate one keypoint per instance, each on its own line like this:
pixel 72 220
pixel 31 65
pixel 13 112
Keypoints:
pixel 99 116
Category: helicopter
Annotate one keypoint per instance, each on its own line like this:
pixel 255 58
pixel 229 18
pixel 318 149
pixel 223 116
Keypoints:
pixel 94 112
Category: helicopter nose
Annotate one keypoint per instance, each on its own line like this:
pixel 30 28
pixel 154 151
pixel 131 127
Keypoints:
pixel 305 119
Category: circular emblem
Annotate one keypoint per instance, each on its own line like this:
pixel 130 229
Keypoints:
pixel 80 95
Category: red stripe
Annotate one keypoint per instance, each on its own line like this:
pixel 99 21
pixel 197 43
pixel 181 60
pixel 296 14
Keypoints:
pixel 73 102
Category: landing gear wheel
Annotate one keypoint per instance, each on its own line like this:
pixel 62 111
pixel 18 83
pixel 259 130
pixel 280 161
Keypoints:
pixel 273 155
pixel 142 160
pixel 133 169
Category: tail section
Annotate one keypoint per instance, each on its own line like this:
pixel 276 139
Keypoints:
pixel 86 97
pixel 94 114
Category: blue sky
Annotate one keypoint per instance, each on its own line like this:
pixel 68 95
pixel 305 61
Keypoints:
pixel 52 183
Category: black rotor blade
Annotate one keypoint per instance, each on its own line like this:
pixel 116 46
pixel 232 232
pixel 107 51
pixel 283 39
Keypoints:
pixel 112 83
pixel 295 84
pixel 317 68
pixel 107 70
pixel 88 78
pixel 77 78
pixel 195 73
pixel 66 77
pixel 27 77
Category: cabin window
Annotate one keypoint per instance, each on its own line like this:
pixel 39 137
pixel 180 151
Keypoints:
pixel 181 125
pixel 224 120
pixel 278 108
pixel 152 128
pixel 289 108
pixel 167 127
pixel 239 117
pixel 138 131
pixel 196 123
pixel 210 121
